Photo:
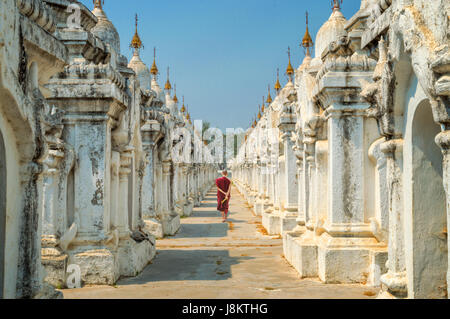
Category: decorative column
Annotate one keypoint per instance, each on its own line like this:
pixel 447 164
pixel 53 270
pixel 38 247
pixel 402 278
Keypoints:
pixel 346 239
pixel 290 181
pixel 310 169
pixel 380 222
pixel 115 193
pixel 152 132
pixel 177 185
pixel 394 282
pixel 299 153
pixel 443 140
pixel 124 171
pixel 188 206
pixel 170 220
pixel 53 257
pixel 339 260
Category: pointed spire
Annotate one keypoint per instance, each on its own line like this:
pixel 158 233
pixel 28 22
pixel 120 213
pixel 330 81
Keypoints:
pixel 175 98
pixel 289 69
pixel 183 108
pixel 259 112
pixel 188 117
pixel 168 86
pixel 277 84
pixel 307 42
pixel 136 42
pixel 269 97
pixel 337 4
pixel 154 70
pixel 263 107
pixel 98 3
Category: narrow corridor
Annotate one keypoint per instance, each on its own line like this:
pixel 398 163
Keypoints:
pixel 210 259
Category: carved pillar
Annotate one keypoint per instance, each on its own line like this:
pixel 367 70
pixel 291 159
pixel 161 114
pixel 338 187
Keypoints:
pixel 395 282
pixel 124 171
pixel 50 218
pixel 310 170
pixel 115 194
pixel 165 188
pixel 290 183
pixel 320 191
pixel 443 140
pixel 380 223
pixel 299 153
pixel 148 200
pixel 177 185
pixel 53 258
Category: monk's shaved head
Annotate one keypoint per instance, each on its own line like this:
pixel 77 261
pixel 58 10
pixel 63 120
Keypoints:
pixel 224 172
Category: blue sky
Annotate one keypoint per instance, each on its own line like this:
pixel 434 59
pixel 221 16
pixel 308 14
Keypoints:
pixel 222 54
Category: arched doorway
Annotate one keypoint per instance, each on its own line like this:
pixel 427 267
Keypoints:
pixel 425 231
pixel 2 212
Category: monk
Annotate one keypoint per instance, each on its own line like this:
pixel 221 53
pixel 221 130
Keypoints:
pixel 223 195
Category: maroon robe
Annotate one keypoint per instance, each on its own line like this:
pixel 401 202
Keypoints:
pixel 224 184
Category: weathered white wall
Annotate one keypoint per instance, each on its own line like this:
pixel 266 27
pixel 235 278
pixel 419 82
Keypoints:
pixel 425 211
pixel 13 205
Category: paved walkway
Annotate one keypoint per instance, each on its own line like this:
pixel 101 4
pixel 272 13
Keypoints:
pixel 209 259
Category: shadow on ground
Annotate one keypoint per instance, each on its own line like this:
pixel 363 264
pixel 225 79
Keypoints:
pixel 181 265
pixel 202 230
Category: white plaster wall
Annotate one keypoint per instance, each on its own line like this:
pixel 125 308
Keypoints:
pixel 425 214
pixel 13 205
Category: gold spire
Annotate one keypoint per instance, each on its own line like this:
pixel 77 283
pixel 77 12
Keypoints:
pixel 136 42
pixel 168 86
pixel 188 117
pixel 98 3
pixel 269 98
pixel 278 85
pixel 259 113
pixel 307 42
pixel 337 4
pixel 289 69
pixel 154 69
pixel 263 107
pixel 183 108
pixel 175 99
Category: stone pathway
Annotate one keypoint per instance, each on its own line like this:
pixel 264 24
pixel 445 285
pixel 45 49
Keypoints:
pixel 209 259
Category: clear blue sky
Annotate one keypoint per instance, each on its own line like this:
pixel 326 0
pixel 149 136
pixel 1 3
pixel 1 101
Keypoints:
pixel 222 54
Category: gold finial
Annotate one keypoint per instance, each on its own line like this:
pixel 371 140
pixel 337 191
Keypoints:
pixel 307 41
pixel 259 113
pixel 98 3
pixel 136 42
pixel 336 4
pixel 289 69
pixel 168 86
pixel 269 97
pixel 154 69
pixel 277 84
pixel 263 107
pixel 188 117
pixel 183 108
pixel 175 99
